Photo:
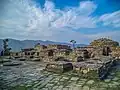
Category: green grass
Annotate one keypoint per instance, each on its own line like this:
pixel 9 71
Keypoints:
pixel 20 88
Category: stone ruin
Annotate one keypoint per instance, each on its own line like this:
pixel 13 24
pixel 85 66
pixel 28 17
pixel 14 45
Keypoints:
pixel 61 58
pixel 51 52
pixel 45 53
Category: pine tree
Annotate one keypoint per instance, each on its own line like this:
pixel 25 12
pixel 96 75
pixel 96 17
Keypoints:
pixel 6 48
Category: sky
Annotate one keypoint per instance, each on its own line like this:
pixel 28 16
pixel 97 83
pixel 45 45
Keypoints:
pixel 60 20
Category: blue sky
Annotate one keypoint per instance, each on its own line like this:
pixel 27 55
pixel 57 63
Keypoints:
pixel 112 5
pixel 60 20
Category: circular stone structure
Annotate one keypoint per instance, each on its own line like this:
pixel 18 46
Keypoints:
pixel 104 42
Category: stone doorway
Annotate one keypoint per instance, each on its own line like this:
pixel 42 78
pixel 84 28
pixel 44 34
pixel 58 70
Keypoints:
pixel 106 51
pixel 38 53
pixel 50 53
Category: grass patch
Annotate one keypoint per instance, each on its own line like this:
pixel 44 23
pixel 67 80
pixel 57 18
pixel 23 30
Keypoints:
pixel 20 88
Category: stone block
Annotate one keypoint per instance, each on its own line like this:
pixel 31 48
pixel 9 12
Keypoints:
pixel 59 67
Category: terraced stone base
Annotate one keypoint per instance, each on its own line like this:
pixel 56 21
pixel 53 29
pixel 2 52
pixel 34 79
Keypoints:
pixel 32 77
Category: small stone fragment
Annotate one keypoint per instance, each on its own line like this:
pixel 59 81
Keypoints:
pixel 86 88
pixel 74 78
pixel 90 82
pixel 115 79
pixel 107 80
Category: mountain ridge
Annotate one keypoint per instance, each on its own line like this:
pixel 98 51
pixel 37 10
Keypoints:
pixel 17 45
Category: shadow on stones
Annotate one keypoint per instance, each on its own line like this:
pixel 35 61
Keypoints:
pixel 115 67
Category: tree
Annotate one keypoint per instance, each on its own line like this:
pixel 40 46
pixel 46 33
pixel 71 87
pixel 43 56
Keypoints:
pixel 5 47
pixel 73 42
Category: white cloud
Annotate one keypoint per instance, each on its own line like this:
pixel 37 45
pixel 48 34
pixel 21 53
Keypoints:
pixel 87 7
pixel 25 18
pixel 49 6
pixel 111 19
pixel 77 17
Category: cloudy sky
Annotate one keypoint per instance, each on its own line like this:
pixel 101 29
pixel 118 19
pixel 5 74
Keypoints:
pixel 60 20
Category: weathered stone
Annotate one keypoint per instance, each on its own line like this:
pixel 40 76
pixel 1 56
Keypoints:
pixel 93 89
pixel 62 80
pixel 66 89
pixel 101 89
pixel 76 88
pixel 83 79
pixel 107 80
pixel 12 64
pixel 112 73
pixel 45 89
pixel 116 83
pixel 111 85
pixel 65 78
pixel 86 88
pixel 60 87
pixel 74 78
pixel 29 85
pixel 81 82
pixel 104 85
pixel 59 67
pixel 55 81
pixel 35 89
pixel 73 84
pixel 79 85
pixel 55 87
pixel 110 77
pixel 115 79
pixel 48 85
pixel 90 82
pixel 37 84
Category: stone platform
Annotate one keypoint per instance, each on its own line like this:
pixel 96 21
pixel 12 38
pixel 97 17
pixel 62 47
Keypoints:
pixel 89 68
pixel 93 68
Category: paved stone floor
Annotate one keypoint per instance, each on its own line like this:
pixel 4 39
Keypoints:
pixel 31 76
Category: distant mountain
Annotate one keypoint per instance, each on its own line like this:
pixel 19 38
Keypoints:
pixel 17 45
